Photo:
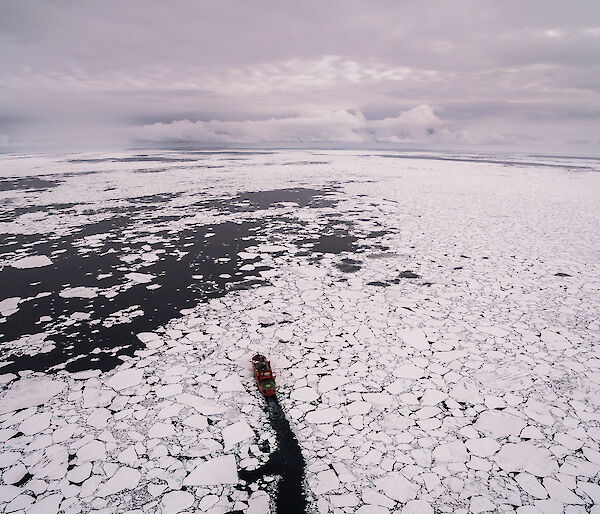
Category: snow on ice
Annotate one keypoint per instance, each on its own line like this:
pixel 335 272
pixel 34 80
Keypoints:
pixel 29 393
pixel 470 384
pixel 33 261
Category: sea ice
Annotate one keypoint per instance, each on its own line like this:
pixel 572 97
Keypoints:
pixel 9 306
pixel 236 433
pixel 166 391
pixel 478 342
pixel 417 507
pixel 139 278
pixel 372 497
pixel 455 451
pixel 126 378
pixel 559 492
pixel 207 502
pixel 176 371
pixel 331 382
pixel 481 504
pixel 80 473
pixel 124 478
pixel 466 392
pixel 345 500
pixel 217 471
pixel 414 337
pixel 159 430
pixel 6 434
pixel 128 456
pixel 196 421
pixel 258 503
pixel 531 486
pixel 176 501
pixel 499 424
pixel 396 486
pixel 79 292
pixel 326 415
pixel 94 450
pixel 433 397
pixel 35 423
pixel 64 433
pixel 482 447
pixel 29 393
pixel 372 509
pixel 14 474
pixel 99 418
pixel 205 406
pixel 230 384
pixel 33 261
pixel 20 503
pixel 304 394
pixel 409 371
pixel 7 378
pixel 592 490
pixel 7 459
pixel 358 407
pixel 517 457
pixel 326 481
pixel 46 505
pixel 8 493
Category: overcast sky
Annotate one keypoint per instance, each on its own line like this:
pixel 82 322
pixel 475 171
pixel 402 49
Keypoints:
pixel 505 74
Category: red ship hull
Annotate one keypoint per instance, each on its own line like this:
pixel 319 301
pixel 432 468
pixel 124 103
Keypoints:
pixel 265 380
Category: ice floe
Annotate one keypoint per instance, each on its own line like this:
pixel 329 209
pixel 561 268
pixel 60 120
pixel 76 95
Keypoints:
pixel 29 393
pixel 516 457
pixel 216 471
pixel 236 433
pixel 79 292
pixel 126 378
pixel 32 261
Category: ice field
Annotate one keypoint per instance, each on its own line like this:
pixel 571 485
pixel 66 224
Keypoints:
pixel 432 321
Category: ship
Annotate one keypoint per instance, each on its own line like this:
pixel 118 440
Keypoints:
pixel 264 375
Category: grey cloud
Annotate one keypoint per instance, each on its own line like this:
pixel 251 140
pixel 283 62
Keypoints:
pixel 83 71
pixel 416 125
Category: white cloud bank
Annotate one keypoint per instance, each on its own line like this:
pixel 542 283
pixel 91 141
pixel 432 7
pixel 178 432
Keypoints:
pixel 419 124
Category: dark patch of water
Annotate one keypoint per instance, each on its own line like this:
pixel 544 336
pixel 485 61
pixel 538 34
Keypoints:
pixel 335 243
pixel 304 197
pixel 348 265
pixel 26 478
pixel 286 461
pixel 173 272
pixel 9 214
pixel 261 200
pixel 408 274
pixel 382 255
pixel 209 251
pixel 35 183
pixel 376 234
